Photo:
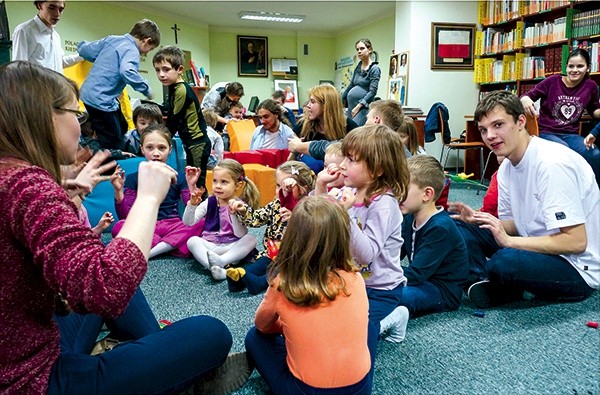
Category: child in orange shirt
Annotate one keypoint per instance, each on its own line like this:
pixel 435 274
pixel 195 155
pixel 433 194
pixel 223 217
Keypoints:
pixel 312 332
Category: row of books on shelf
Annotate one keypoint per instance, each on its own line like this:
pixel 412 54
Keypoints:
pixel 496 11
pixel 586 23
pixel 508 87
pixel 494 40
pixel 545 32
pixel 517 90
pixel 554 58
pixel 519 66
pixel 520 90
pixel 593 49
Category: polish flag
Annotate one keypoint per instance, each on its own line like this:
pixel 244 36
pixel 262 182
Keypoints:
pixel 453 44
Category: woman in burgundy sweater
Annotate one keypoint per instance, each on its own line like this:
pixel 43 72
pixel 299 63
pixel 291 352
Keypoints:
pixel 46 251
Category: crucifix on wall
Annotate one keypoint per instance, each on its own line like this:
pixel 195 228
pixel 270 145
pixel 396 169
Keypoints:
pixel 175 29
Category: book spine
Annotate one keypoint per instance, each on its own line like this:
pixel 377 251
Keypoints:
pixel 195 72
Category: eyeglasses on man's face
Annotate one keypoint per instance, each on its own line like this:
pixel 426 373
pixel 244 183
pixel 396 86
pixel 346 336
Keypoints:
pixel 82 116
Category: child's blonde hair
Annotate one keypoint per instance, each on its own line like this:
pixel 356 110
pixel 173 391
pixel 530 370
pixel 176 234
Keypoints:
pixel 425 171
pixel 210 117
pixel 303 175
pixel 250 194
pixel 315 246
pixel 390 112
pixel 408 128
pixel 383 153
pixel 334 149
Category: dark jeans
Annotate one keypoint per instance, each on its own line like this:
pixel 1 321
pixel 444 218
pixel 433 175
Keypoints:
pixel 383 302
pixel 152 361
pixel 110 127
pixel 575 142
pixel 423 299
pixel 548 277
pixel 480 246
pixel 268 352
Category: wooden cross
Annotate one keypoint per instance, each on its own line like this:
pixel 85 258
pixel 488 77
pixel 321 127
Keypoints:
pixel 175 29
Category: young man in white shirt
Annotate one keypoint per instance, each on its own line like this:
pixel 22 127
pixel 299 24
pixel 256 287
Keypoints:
pixel 549 213
pixel 37 41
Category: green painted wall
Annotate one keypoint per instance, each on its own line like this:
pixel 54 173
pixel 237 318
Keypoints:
pixel 317 65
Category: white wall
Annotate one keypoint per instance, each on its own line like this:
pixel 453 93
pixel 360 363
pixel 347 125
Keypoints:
pixel 455 89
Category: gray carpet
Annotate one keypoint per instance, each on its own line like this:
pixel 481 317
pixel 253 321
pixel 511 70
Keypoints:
pixel 523 348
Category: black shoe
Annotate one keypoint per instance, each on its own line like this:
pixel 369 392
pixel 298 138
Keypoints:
pixel 227 378
pixel 480 294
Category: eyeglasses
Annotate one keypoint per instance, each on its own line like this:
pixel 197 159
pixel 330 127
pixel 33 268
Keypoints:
pixel 82 116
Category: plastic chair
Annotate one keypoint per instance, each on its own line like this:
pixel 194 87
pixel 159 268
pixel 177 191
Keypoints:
pixel 240 134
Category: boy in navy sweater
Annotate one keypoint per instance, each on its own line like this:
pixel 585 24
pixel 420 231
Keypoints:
pixel 433 244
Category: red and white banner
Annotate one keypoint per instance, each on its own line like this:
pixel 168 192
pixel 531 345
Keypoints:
pixel 453 44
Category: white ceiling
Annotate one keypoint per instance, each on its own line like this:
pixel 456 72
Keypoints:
pixel 329 17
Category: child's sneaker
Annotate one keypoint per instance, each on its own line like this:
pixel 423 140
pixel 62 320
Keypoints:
pixel 484 294
pixel 236 273
pixel 227 378
pixel 480 293
pixel 393 327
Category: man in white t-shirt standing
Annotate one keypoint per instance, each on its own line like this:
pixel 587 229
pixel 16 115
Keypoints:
pixel 38 42
pixel 549 213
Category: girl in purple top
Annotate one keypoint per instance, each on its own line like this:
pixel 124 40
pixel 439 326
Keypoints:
pixel 224 241
pixel 376 180
pixel 563 99
pixel 170 234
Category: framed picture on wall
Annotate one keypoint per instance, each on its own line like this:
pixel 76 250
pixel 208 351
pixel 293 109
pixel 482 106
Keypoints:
pixel 393 66
pixel 452 46
pixel 252 56
pixel 397 89
pixel 290 89
pixel 403 63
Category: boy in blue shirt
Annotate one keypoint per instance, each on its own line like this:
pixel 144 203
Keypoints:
pixel 432 242
pixel 116 64
pixel 184 115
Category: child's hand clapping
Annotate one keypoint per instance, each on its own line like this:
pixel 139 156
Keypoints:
pixel 237 206
pixel 105 221
pixel 348 198
pixel 191 176
pixel 285 214
pixel 290 185
pixel 330 175
pixel 117 179
pixel 196 196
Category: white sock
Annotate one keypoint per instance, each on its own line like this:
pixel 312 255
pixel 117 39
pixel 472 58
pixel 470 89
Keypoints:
pixel 160 248
pixel 393 327
pixel 218 273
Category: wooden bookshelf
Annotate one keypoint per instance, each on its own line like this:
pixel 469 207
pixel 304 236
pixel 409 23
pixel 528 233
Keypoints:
pixel 522 42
